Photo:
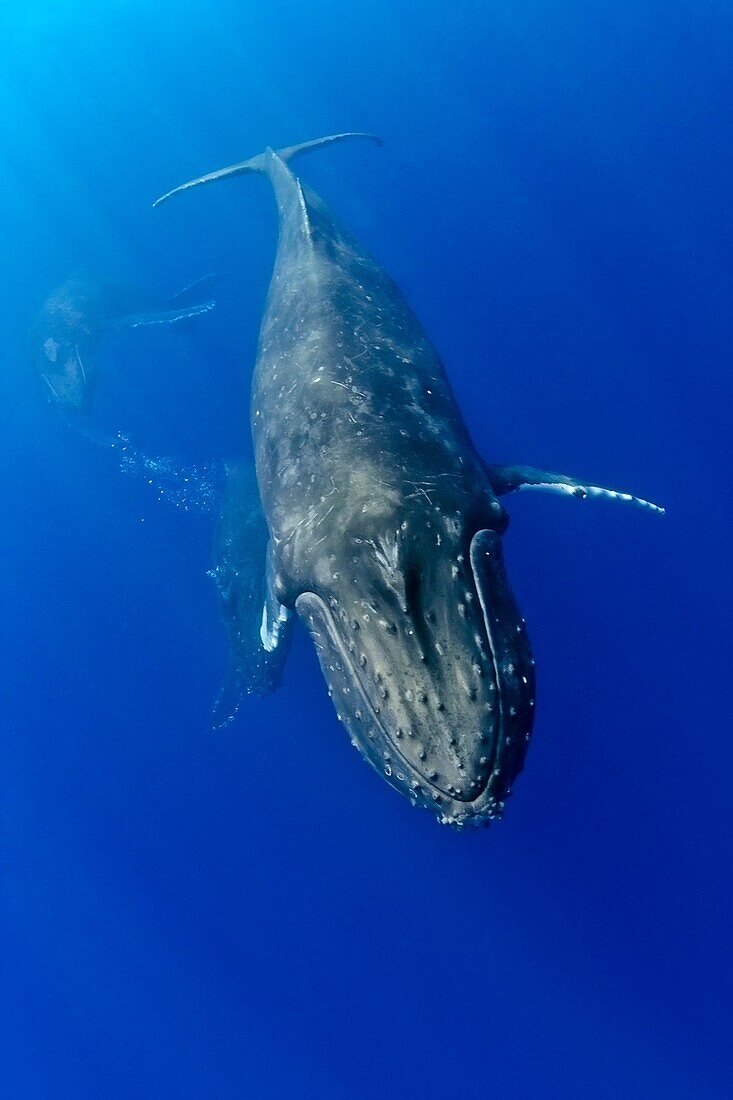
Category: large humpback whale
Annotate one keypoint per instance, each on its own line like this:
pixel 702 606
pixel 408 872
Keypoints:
pixel 384 522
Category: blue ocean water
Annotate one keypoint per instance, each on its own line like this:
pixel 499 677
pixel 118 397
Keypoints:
pixel 253 913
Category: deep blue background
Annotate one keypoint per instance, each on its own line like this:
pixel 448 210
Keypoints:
pixel 254 913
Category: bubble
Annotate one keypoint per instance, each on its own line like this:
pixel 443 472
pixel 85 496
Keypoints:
pixel 197 489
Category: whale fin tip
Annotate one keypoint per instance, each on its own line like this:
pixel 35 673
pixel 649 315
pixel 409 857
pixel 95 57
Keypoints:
pixel 510 479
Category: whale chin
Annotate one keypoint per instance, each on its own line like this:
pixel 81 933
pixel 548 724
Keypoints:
pixel 441 708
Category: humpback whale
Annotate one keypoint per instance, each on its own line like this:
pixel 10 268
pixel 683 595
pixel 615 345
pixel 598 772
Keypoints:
pixel 384 522
pixel 65 335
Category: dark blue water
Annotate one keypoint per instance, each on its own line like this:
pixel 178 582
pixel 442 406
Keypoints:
pixel 254 913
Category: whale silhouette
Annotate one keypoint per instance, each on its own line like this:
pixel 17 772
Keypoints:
pixel 65 335
pixel 384 522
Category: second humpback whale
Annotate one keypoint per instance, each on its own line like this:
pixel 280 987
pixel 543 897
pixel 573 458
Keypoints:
pixel 65 335
pixel 384 522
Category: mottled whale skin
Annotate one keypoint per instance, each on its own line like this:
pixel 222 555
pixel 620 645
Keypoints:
pixel 384 523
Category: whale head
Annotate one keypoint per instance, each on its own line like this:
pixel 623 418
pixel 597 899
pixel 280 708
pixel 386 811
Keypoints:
pixel 427 658
pixel 68 374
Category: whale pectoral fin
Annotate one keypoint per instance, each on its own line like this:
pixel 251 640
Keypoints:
pixel 259 639
pixel 191 292
pixel 253 670
pixel 276 623
pixel 161 316
pixel 258 627
pixel 509 479
pixel 229 700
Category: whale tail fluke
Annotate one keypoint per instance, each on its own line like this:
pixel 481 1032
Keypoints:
pixel 259 163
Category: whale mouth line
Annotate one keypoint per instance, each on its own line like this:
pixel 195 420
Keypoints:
pixel 427 787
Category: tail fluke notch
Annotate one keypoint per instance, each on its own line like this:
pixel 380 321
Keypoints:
pixel 259 163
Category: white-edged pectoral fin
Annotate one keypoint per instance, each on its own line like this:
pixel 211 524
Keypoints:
pixel 275 619
pixel 258 627
pixel 510 479
pixel 162 316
